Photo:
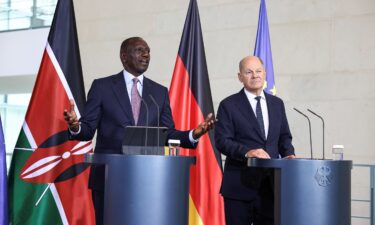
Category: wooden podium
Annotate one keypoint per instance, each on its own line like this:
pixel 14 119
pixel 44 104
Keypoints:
pixel 310 192
pixel 145 189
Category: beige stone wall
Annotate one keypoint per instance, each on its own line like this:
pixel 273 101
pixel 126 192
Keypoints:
pixel 323 53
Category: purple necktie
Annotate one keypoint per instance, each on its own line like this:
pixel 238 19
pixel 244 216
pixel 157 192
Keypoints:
pixel 135 101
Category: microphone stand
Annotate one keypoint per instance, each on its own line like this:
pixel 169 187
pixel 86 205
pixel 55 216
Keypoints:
pixel 146 106
pixel 157 107
pixel 308 119
pixel 321 118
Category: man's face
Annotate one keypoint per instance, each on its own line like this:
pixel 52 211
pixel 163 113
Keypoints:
pixel 252 75
pixel 136 57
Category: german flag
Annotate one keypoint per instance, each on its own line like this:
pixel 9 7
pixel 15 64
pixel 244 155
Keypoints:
pixel 191 101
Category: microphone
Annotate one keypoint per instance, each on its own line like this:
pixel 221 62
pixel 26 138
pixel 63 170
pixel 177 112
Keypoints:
pixel 321 118
pixel 308 119
pixel 147 115
pixel 157 107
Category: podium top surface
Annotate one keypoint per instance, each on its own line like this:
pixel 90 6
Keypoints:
pixel 281 163
pixel 107 158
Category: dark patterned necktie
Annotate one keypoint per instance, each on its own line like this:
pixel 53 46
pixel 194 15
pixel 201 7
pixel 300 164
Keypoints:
pixel 135 101
pixel 260 116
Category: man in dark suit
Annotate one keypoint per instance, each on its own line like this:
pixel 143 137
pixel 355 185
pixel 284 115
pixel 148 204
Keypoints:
pixel 115 102
pixel 251 123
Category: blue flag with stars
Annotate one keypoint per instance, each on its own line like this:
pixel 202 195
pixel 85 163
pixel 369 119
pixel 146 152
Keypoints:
pixel 263 48
pixel 3 181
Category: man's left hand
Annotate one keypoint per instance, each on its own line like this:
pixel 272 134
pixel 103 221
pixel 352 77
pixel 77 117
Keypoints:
pixel 204 127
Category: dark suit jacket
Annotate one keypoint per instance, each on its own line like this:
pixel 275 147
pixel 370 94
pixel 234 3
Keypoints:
pixel 108 111
pixel 237 131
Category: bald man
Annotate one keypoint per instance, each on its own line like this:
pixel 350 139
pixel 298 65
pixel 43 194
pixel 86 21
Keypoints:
pixel 251 123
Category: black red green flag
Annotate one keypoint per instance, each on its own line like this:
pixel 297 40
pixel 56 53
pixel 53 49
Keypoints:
pixel 191 101
pixel 48 181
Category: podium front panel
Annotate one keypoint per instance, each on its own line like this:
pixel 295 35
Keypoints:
pixel 310 192
pixel 145 189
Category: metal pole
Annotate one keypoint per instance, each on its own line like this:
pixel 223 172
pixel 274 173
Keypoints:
pixel 372 186
pixel 34 14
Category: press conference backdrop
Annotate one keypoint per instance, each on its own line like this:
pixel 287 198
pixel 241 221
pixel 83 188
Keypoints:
pixel 323 54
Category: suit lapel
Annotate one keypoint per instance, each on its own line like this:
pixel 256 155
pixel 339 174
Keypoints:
pixel 122 96
pixel 246 110
pixel 272 115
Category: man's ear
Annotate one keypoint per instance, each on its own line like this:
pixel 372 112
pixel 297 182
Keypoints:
pixel 123 57
pixel 239 77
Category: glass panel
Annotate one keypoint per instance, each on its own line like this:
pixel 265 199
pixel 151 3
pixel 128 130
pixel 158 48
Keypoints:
pixel 12 109
pixel 25 14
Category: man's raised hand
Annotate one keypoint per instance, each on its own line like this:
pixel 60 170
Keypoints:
pixel 204 127
pixel 70 117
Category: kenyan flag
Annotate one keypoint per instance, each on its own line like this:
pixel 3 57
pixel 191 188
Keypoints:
pixel 48 181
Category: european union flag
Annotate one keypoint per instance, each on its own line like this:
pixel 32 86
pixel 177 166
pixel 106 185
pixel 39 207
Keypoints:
pixel 263 48
pixel 3 181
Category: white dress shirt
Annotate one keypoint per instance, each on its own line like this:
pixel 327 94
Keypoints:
pixel 263 105
pixel 129 83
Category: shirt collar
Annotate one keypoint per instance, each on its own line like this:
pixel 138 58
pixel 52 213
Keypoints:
pixel 252 96
pixel 129 77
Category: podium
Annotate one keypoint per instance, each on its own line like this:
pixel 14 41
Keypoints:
pixel 145 189
pixel 310 192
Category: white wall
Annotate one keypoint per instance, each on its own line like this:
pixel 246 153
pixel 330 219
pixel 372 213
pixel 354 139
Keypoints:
pixel 20 56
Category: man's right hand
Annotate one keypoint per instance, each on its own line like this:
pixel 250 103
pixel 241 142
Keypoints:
pixel 71 117
pixel 257 153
